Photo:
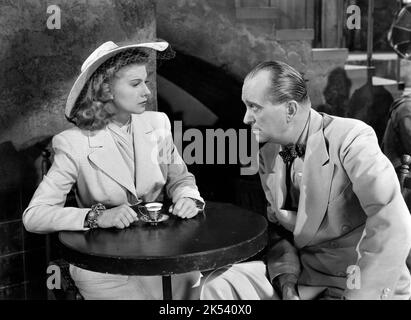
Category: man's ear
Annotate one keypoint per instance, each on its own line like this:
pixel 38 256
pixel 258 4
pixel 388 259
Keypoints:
pixel 291 108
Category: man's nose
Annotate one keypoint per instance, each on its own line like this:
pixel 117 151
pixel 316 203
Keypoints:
pixel 248 118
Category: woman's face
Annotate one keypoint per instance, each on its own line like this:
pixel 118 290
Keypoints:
pixel 130 91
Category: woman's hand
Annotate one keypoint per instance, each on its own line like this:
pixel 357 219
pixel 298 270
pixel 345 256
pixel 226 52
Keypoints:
pixel 184 208
pixel 119 217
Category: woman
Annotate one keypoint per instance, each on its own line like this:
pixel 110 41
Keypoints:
pixel 117 155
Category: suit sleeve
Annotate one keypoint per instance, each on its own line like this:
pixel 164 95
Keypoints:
pixel 180 183
pixel 45 212
pixel 387 240
pixel 282 256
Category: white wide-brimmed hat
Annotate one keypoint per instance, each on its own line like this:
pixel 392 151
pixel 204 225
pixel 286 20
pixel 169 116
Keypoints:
pixel 96 59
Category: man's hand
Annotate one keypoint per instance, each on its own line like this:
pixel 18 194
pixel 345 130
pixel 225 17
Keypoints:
pixel 119 217
pixel 286 285
pixel 184 208
pixel 289 291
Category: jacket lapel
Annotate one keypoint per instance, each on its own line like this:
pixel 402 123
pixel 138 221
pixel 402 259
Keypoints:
pixel 315 184
pixel 148 172
pixel 106 156
pixel 279 183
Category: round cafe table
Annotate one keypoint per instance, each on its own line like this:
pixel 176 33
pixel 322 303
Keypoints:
pixel 221 235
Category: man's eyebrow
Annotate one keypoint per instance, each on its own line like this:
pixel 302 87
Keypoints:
pixel 253 103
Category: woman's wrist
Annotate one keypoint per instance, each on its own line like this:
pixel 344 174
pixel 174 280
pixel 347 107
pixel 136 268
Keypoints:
pixel 91 220
pixel 199 204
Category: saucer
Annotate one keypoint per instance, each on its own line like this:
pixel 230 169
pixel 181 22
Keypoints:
pixel 146 219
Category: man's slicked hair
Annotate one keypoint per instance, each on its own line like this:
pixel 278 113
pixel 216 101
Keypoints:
pixel 286 83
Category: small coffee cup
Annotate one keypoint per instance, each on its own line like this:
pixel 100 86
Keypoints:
pixel 154 210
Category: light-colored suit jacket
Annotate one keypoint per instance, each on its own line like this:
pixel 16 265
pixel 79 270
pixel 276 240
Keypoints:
pixel 92 161
pixel 350 213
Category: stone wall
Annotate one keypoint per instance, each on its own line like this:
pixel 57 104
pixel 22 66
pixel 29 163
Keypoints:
pixel 209 30
pixel 39 65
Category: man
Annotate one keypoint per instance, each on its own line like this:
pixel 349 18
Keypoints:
pixel 335 205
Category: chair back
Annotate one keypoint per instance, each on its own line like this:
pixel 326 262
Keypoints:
pixel 68 289
pixel 405 183
pixel 404 173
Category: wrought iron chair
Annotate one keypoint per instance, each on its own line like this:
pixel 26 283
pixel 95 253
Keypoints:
pixel 405 183
pixel 68 289
pixel 404 173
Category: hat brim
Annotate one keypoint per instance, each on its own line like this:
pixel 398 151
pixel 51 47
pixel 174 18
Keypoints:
pixel 87 73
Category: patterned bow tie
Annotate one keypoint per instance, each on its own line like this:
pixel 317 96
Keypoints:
pixel 292 151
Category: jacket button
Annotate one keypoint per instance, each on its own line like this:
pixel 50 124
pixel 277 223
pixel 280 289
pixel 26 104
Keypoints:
pixel 345 228
pixel 334 244
pixel 386 291
pixel 384 297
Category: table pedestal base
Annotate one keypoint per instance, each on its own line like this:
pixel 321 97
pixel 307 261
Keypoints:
pixel 167 291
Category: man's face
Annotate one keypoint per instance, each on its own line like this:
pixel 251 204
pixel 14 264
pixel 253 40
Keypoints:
pixel 268 120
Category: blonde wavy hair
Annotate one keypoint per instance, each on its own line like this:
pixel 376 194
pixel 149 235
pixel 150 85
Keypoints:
pixel 94 107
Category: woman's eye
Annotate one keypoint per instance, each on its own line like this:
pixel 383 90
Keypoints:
pixel 138 83
pixel 255 108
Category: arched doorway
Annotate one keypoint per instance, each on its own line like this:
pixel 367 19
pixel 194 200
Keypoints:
pixel 204 97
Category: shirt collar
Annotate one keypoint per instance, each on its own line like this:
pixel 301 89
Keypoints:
pixel 302 139
pixel 304 134
pixel 126 128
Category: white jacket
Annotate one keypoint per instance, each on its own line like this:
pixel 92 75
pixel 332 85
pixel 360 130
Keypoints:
pixel 92 161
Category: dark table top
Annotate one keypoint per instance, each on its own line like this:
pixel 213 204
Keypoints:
pixel 223 234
